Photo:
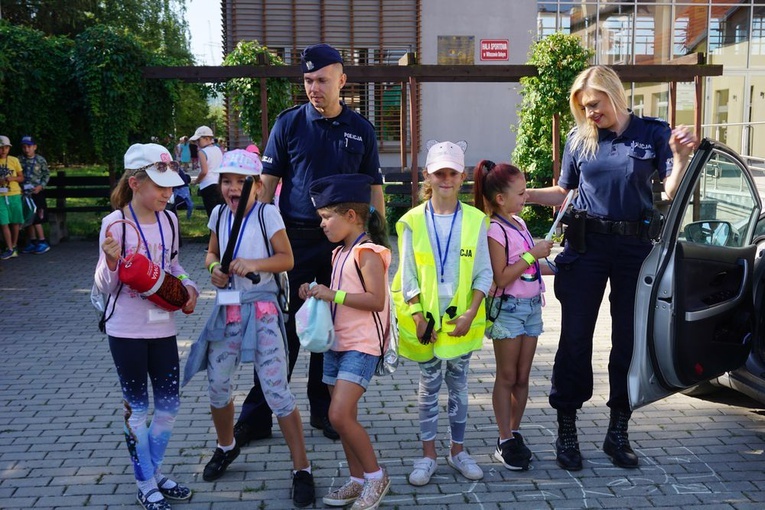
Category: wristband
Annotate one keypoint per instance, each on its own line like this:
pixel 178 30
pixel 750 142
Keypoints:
pixel 339 297
pixel 212 266
pixel 415 308
pixel 182 277
pixel 529 258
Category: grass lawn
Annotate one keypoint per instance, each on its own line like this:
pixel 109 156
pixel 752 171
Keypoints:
pixel 88 225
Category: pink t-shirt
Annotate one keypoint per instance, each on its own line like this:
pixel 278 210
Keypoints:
pixel 355 329
pixel 518 242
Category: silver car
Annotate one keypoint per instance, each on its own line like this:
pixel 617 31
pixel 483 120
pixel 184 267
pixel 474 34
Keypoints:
pixel 699 302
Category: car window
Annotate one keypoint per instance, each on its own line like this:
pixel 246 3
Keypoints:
pixel 720 211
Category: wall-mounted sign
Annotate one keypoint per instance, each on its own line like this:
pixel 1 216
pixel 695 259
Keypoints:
pixel 456 50
pixel 495 49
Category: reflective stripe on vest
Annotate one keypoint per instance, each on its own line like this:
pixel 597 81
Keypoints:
pixel 445 347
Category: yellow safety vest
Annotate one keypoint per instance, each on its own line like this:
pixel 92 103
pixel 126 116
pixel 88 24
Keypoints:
pixel 445 347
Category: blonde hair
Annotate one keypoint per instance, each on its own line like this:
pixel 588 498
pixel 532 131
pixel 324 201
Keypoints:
pixel 584 138
pixel 122 194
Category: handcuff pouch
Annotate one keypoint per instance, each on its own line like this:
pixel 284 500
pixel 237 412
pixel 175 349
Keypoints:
pixel 574 235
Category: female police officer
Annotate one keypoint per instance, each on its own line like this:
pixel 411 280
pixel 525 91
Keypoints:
pixel 610 156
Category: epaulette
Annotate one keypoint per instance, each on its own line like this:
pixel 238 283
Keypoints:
pixel 288 110
pixel 656 120
pixel 366 119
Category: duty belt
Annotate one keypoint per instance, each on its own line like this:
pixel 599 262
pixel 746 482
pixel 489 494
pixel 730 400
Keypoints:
pixel 622 228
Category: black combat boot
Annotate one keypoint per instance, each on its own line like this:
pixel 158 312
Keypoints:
pixel 617 443
pixel 567 446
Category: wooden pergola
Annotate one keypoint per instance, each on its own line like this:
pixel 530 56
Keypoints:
pixel 690 68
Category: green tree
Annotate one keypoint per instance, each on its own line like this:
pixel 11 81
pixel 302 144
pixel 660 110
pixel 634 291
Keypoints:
pixel 108 71
pixel 559 58
pixel 244 93
pixel 34 82
pixel 159 24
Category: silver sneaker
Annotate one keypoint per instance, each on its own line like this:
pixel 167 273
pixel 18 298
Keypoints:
pixel 344 495
pixel 373 493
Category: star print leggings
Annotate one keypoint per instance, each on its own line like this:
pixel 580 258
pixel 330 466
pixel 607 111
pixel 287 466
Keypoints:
pixel 137 362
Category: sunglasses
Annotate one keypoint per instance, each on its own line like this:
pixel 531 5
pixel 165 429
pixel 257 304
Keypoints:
pixel 161 166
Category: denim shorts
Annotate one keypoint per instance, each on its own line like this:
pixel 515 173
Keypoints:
pixel 353 366
pixel 518 316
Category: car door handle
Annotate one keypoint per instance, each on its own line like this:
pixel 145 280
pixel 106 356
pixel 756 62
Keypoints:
pixel 725 305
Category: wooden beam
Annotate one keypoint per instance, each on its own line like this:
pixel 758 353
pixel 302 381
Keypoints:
pixel 425 73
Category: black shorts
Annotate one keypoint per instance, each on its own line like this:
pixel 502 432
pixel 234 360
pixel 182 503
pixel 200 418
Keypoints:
pixel 41 216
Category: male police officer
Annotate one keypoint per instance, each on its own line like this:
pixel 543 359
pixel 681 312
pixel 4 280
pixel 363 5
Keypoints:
pixel 317 139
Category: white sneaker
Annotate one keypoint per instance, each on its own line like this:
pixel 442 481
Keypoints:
pixel 465 464
pixel 423 470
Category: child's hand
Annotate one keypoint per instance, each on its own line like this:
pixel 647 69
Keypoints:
pixel 241 267
pixel 462 323
pixel 192 302
pixel 303 291
pixel 112 250
pixel 219 278
pixel 322 292
pixel 542 249
pixel 421 325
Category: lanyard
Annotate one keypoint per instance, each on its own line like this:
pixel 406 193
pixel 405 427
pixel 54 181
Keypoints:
pixel 528 241
pixel 340 276
pixel 140 230
pixel 244 224
pixel 443 255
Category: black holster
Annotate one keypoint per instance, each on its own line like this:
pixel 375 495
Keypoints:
pixel 651 225
pixel 574 235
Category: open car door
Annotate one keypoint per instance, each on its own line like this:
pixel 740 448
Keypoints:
pixel 694 307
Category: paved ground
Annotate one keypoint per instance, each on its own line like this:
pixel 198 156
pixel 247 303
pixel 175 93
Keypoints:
pixel 61 444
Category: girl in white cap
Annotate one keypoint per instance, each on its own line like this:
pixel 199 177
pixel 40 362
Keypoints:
pixel 141 335
pixel 439 290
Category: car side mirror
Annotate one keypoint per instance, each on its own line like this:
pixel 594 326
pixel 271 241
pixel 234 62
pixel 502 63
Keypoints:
pixel 711 232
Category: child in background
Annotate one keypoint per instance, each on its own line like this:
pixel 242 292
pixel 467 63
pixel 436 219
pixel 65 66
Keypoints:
pixel 141 335
pixel 11 215
pixel 439 290
pixel 247 324
pixel 36 176
pixel 358 290
pixel 516 301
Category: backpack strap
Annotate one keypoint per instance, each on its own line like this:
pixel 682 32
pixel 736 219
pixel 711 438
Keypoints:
pixel 103 320
pixel 267 242
pixel 173 254
pixel 375 315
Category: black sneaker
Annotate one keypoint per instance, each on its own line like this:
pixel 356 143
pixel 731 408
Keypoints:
pixel 324 425
pixel 303 489
pixel 511 455
pixel 244 433
pixel 219 462
pixel 518 437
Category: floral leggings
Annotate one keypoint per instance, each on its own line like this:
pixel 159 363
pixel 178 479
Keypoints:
pixel 223 358
pixel 157 359
pixel 430 384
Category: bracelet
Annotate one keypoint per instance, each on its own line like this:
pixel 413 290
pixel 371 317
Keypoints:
pixel 212 266
pixel 182 277
pixel 339 297
pixel 415 308
pixel 529 258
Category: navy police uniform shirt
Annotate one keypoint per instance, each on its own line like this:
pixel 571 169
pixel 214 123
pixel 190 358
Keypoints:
pixel 616 183
pixel 304 146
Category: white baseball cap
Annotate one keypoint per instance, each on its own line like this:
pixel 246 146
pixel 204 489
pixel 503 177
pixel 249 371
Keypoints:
pixel 200 132
pixel 146 156
pixel 5 141
pixel 445 155
pixel 240 161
